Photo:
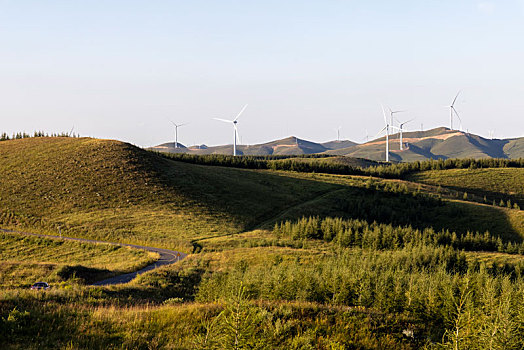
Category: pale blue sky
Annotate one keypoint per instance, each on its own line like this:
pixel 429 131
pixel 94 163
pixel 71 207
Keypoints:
pixel 120 69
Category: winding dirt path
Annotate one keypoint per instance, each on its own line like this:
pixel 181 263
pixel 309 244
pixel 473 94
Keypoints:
pixel 167 257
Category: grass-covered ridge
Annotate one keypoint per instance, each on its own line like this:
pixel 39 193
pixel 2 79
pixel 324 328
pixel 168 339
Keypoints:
pixel 495 184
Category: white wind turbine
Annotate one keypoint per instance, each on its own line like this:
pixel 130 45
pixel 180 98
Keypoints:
pixel 452 111
pixel 392 114
pixel 385 128
pixel 235 130
pixel 401 129
pixel 338 133
pixel 176 131
pixel 367 136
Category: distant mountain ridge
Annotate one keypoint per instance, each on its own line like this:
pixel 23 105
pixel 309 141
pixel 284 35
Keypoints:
pixel 287 146
pixel 438 143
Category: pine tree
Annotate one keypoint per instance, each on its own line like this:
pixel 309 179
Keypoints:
pixel 238 322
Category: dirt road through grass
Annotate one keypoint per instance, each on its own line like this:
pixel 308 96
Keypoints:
pixel 167 256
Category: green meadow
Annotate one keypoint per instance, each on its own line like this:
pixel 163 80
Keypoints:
pixel 278 259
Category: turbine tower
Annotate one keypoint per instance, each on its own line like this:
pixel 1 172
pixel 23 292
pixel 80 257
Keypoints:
pixel 235 130
pixel 385 128
pixel 176 131
pixel 401 129
pixel 452 111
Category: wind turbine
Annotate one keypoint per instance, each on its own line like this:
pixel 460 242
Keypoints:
pixel 391 115
pixel 235 130
pixel 176 131
pixel 386 128
pixel 452 111
pixel 400 128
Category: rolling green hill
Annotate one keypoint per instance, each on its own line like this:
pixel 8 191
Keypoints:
pixel 111 190
pixel 281 259
pixel 114 191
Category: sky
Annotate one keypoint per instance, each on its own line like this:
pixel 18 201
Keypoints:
pixel 123 69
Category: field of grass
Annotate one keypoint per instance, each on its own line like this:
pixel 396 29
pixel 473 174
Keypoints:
pixel 26 259
pixel 282 259
pixel 495 183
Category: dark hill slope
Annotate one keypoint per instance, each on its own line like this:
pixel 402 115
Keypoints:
pixel 332 145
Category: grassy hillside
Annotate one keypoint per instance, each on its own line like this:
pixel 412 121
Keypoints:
pixel 25 260
pixel 338 144
pixel 114 191
pixel 495 184
pixel 514 148
pixel 283 259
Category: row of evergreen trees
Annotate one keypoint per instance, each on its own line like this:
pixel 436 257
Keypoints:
pixel 23 135
pixel 316 164
pixel 401 170
pixel 360 233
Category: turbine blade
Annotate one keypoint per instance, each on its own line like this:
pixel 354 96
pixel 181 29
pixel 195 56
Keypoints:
pixel 408 121
pixel 385 118
pixel 238 115
pixel 223 120
pixel 455 99
pixel 378 133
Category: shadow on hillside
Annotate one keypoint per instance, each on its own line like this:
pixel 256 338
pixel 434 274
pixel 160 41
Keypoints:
pixel 157 286
pixel 490 195
pixel 244 197
pixel 251 198
pixel 401 209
